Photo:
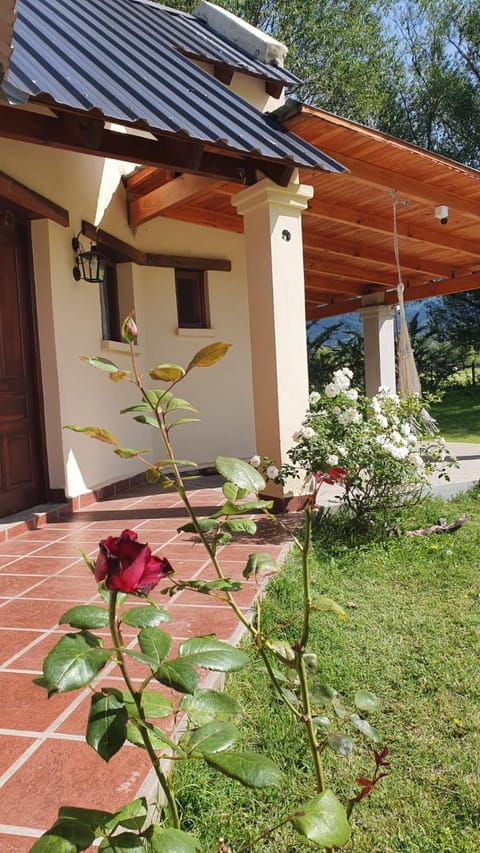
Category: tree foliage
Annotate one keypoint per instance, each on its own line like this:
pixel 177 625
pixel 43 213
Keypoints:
pixel 333 348
pixel 437 103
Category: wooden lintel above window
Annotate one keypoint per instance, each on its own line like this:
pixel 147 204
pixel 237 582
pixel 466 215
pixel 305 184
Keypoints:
pixel 34 205
pixel 119 252
pixel 186 262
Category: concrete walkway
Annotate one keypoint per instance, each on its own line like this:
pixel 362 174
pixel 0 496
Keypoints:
pixel 465 477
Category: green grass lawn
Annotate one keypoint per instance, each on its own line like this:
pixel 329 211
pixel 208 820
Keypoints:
pixel 458 414
pixel 413 638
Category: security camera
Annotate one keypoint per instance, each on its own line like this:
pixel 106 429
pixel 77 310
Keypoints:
pixel 441 213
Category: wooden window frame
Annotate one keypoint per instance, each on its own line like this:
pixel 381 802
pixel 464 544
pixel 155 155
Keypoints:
pixel 199 306
pixel 109 305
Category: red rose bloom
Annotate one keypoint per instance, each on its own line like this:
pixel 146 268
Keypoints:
pixel 128 566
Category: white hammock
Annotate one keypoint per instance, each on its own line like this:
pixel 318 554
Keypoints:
pixel 408 380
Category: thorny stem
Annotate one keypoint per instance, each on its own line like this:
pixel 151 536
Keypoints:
pixel 300 663
pixel 137 698
pixel 163 426
pixel 308 721
pixel 304 549
pixel 307 598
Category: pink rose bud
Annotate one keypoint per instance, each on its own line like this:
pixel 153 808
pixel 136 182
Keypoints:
pixel 129 566
pixel 130 329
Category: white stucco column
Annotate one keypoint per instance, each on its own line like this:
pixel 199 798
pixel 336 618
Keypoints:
pixel 276 296
pixel 379 347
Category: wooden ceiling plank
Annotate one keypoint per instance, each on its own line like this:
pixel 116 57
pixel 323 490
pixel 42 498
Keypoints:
pixel 357 272
pixel 364 251
pixel 334 286
pixel 411 187
pixel 365 220
pixel 197 216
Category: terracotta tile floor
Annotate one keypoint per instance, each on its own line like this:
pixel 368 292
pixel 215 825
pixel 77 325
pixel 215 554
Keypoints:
pixel 44 760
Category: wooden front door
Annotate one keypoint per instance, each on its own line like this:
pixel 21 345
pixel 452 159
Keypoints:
pixel 21 448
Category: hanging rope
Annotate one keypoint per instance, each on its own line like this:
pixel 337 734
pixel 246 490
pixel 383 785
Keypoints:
pixel 408 379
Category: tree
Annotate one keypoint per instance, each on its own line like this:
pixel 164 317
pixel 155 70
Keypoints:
pixel 437 104
pixel 436 358
pixel 334 348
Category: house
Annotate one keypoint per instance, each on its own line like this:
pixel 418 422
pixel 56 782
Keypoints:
pixel 164 139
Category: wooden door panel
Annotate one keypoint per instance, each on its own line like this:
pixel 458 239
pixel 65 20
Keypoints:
pixel 21 459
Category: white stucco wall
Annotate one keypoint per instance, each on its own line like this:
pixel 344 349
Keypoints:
pixel 69 323
pixel 251 89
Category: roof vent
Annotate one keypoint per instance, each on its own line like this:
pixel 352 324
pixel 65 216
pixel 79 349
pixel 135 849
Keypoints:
pixel 250 39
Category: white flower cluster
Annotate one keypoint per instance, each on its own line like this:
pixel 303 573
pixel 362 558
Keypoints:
pixel 349 416
pixel 399 441
pixel 377 442
pixel 305 432
pixel 340 382
pixel 271 471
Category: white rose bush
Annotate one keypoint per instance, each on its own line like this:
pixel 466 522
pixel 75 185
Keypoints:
pixel 377 448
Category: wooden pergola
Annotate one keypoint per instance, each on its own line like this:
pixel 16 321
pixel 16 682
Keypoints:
pixel 348 227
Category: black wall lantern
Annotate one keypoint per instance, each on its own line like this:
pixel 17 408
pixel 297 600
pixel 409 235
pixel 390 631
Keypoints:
pixel 91 266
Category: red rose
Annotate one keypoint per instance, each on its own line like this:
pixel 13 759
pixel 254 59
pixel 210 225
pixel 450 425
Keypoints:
pixel 128 566
pixel 332 476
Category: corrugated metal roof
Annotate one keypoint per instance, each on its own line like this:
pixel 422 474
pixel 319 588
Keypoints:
pixel 196 39
pixel 109 56
pixel 7 17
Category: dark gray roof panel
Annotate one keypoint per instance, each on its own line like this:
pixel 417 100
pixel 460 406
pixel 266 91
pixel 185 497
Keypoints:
pixel 108 56
pixel 196 39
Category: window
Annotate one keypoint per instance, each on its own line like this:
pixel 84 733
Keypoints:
pixel 116 299
pixel 192 302
pixel 109 305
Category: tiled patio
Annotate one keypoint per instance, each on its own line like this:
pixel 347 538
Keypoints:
pixel 44 760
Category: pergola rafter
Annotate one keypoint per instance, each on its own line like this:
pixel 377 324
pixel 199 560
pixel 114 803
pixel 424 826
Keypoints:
pixel 348 226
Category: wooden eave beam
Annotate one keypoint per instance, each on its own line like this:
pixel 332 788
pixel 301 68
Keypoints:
pixel 146 179
pixel 337 287
pixel 170 152
pixel 223 73
pixel 120 252
pixel 36 206
pixel 457 284
pixel 411 187
pixel 419 291
pixel 179 191
pixel 362 219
